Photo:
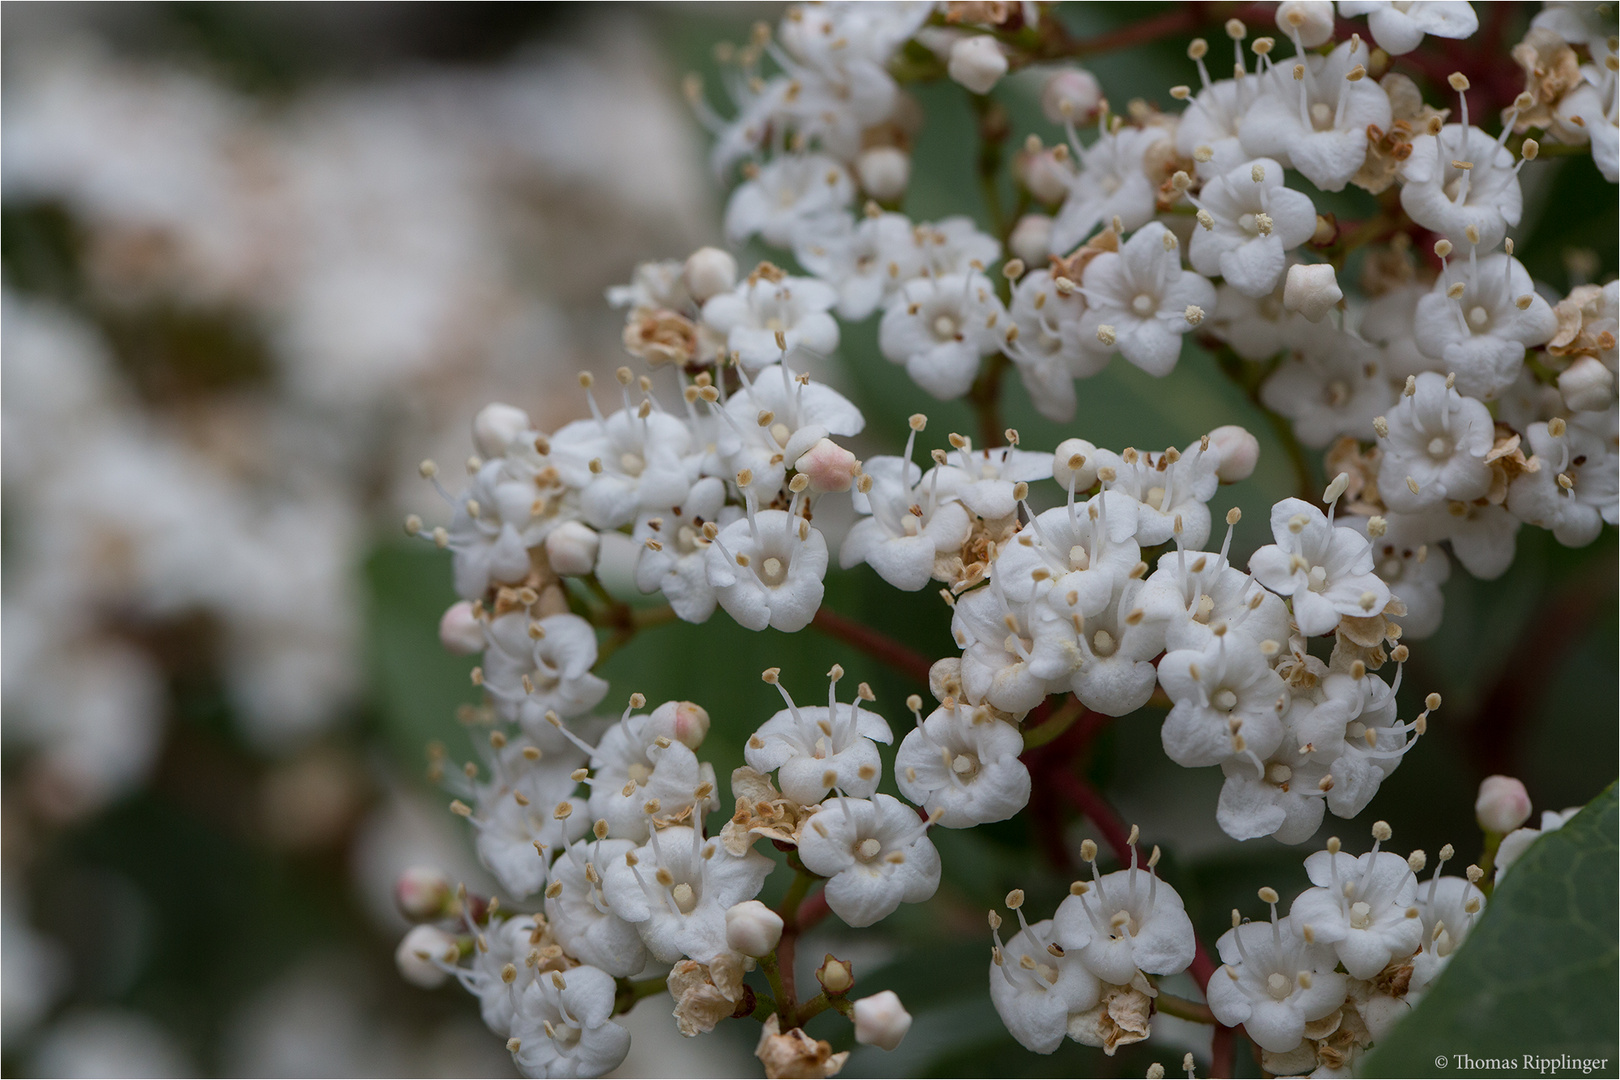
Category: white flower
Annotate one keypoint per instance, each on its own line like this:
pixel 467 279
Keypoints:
pixel 1482 537
pixel 1140 301
pixel 1326 570
pixel 881 1020
pixel 875 854
pixel 503 513
pixel 503 945
pixel 1448 907
pixel 535 666
pixel 1036 992
pixel 1250 221
pixel 953 245
pixel 1480 325
pixel 865 259
pixel 775 420
pixel 1332 387
pixel 1389 321
pixel 819 748
pixel 1574 492
pixel 647 758
pixel 1111 182
pixel 1125 921
pixel 1115 675
pixel 1373 740
pixel 1363 907
pixel 1013 654
pixel 563 1025
pixel 1414 566
pixel 1224 690
pixel 1311 19
pixel 1448 200
pixel 1258 329
pixel 752 928
pixel 1313 113
pixel 766 568
pixel 677 888
pixel 625 463
pixel 962 764
pixel 1072 557
pixel 1312 289
pixel 1399 28
pixel 1273 983
pixel 977 63
pixel 1194 592
pixel 1280 797
pixel 940 328
pixel 770 318
pixel 1043 341
pixel 786 191
pixel 910 522
pixel 1434 446
pixel 1167 488
pixel 986 480
pixel 673 558
pixel 1213 120
pixel 578 912
pixel 423 955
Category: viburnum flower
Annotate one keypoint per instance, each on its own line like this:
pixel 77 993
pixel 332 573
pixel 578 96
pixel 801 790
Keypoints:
pixel 1258 328
pixel 961 763
pixel 775 419
pixel 563 1025
pixel 940 328
pixel 1449 200
pixel 510 504
pixel 1111 182
pixel 1249 220
pixel 1448 907
pixel 815 749
pixel 1035 990
pixel 874 853
pixel 1043 342
pixel 1364 908
pixel 1224 690
pixel 910 523
pixel 1480 322
pixel 1313 113
pixel 1072 557
pixel 1574 492
pixel 866 259
pixel 578 912
pixel 1011 653
pixel 1273 981
pixel 1208 130
pixel 1365 743
pixel 1193 593
pixel 1128 920
pixel 1281 796
pixel 535 666
pixel 500 972
pixel 954 245
pixel 673 559
pixel 676 888
pixel 1325 569
pixel 1169 488
pixel 766 568
pixel 1399 28
pixel 1434 442
pixel 784 192
pixel 1414 566
pixel 1331 387
pixel 525 815
pixel 651 757
pixel 1140 301
pixel 1117 645
pixel 986 481
pixel 771 317
pixel 633 460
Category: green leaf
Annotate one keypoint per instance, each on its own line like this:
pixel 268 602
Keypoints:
pixel 1538 975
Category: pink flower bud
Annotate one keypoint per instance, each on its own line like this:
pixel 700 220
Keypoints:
pixel 880 1020
pixel 1503 804
pixel 460 632
pixel 1239 452
pixel 422 892
pixel 752 928
pixel 829 466
pixel 1072 95
pixel 691 724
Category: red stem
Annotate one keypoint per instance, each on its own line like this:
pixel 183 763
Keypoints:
pixel 877 645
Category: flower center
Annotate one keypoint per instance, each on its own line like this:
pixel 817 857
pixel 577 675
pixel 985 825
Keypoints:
pixel 1278 985
pixel 1439 447
pixel 965 765
pixel 868 849
pixel 1278 773
pixel 1102 642
pixel 772 571
pixel 1224 699
pixel 945 328
pixel 1361 914
pixel 1144 305
pixel 1478 317
pixel 1321 115
pixel 1338 392
pixel 639 773
pixel 631 463
pixel 684 896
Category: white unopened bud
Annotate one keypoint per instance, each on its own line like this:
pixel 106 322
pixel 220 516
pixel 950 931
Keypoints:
pixel 1031 239
pixel 1312 290
pixel 460 632
pixel 1586 385
pixel 1313 19
pixel 691 723
pixel 830 467
pixel 977 63
pixel 1046 177
pixel 884 172
pixel 571 548
pixel 880 1020
pixel 752 928
pixel 1072 94
pixel 1076 460
pixel 1239 452
pixel 496 427
pixel 1503 804
pixel 419 954
pixel 709 272
pixel 422 892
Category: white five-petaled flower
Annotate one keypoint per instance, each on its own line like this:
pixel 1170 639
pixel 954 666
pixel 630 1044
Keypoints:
pixel 1574 492
pixel 1111 182
pixel 770 318
pixel 1273 981
pixel 578 912
pixel 766 568
pixel 815 749
pixel 1128 920
pixel 1140 301
pixel 1036 991
pixel 1480 322
pixel 1313 114
pixel 940 328
pixel 1248 222
pixel 1326 570
pixel 774 420
pixel 1364 908
pixel 651 758
pixel 1171 491
pixel 1462 178
pixel 564 1026
pixel 673 558
pixel 1434 444
pixel 535 666
pixel 1226 689
pixel 866 259
pixel 785 192
pixel 1043 341
pixel 962 763
pixel 875 854
pixel 633 460
pixel 910 521
pixel 1332 387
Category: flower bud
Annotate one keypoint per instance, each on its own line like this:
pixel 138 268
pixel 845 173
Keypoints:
pixel 1044 175
pixel 422 892
pixel 1586 385
pixel 417 953
pixel 829 466
pixel 752 928
pixel 460 632
pixel 1312 290
pixel 880 1020
pixel 977 63
pixel 1239 452
pixel 1064 467
pixel 1072 95
pixel 884 172
pixel 496 427
pixel 1031 239
pixel 709 272
pixel 835 976
pixel 571 548
pixel 691 724
pixel 1503 804
pixel 1313 19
